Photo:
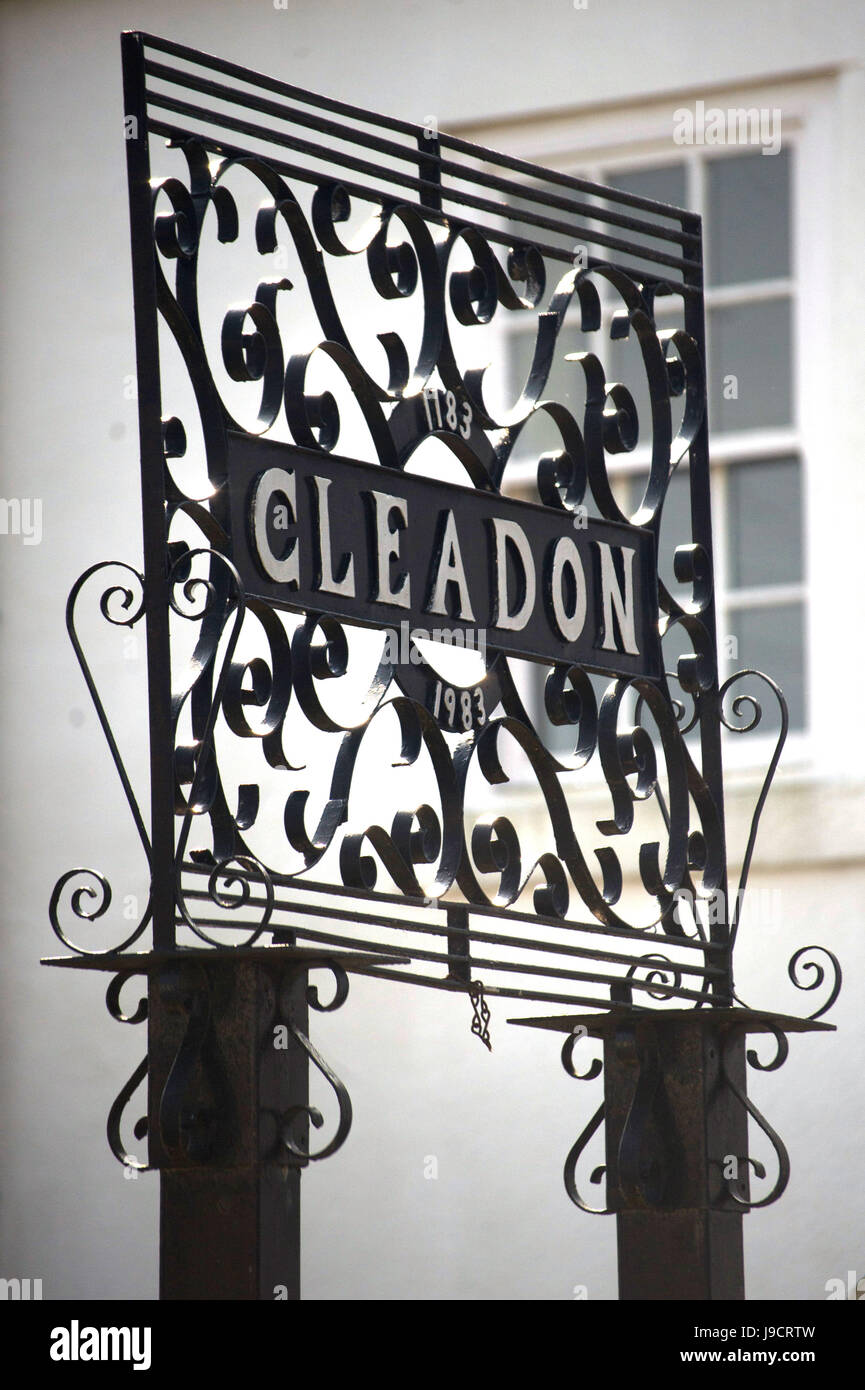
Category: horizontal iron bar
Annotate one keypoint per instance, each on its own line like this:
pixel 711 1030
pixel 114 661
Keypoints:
pixel 484 909
pixel 414 182
pixel 448 958
pixel 178 135
pixel 721 1016
pixel 409 154
pixel 395 124
pixel 446 929
pixel 141 962
pixel 502 992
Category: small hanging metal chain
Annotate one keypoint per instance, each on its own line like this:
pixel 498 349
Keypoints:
pixel 481 1019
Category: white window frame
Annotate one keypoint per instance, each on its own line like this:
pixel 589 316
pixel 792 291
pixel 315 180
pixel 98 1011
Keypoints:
pixel 592 144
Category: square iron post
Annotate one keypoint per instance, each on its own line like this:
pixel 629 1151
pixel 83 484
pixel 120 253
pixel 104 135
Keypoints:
pixel 675 1115
pixel 671 1127
pixel 219 1089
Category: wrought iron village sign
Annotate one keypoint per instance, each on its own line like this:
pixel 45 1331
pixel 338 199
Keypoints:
pixel 325 465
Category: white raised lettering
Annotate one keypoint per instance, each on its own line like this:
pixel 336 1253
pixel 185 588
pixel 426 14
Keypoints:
pixel 273 482
pixel 450 570
pixel 387 549
pixel 328 582
pixel 613 599
pixel 502 617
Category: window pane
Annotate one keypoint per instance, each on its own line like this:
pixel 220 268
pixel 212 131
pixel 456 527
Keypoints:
pixel 665 184
pixel 750 366
pixel 748 220
pixel 764 508
pixel 771 639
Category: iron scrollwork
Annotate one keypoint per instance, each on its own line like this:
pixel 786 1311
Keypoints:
pixel 464 273
pixel 115 1115
pixel 293 1123
pixel 575 1153
pixel 734 1184
pixel 481 249
pixel 89 892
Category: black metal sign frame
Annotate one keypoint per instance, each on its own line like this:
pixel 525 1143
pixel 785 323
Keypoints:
pixel 467 233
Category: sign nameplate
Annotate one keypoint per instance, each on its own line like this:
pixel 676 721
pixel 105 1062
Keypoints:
pixel 382 547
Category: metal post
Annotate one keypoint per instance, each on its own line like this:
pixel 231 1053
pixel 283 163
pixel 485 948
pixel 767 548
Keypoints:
pixel 676 1113
pixel 220 1090
pixel 153 508
pixel 671 1125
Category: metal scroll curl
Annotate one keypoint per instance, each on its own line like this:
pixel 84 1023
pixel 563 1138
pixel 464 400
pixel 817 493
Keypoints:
pixel 662 976
pixel 89 892
pixel 115 1115
pixel 294 1120
pixel 799 964
pixel 578 1148
pixel 805 974
pixel 748 709
pixel 733 1183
